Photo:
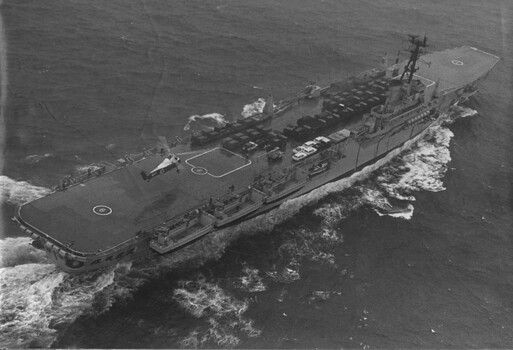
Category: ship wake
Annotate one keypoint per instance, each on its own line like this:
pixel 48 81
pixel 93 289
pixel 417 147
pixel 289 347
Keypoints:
pixel 39 301
pixel 36 158
pixel 205 122
pixel 387 187
pixel 253 108
pixel 222 313
pixel 19 192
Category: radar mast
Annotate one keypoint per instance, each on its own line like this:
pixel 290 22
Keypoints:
pixel 417 46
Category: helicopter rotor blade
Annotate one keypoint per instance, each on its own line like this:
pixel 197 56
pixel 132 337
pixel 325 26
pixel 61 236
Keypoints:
pixel 162 143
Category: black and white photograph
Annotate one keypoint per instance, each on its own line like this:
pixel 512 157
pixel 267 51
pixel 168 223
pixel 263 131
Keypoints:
pixel 235 174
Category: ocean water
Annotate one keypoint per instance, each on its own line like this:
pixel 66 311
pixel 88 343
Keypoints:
pixel 86 81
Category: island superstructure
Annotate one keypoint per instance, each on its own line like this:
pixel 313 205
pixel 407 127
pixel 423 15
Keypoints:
pixel 157 202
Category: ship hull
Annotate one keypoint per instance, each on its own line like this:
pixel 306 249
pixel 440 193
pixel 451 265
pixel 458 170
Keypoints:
pixel 343 169
pixel 342 172
pixel 112 216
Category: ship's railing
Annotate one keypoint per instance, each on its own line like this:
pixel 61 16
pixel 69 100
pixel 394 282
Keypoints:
pixel 167 226
pixel 108 167
pixel 279 185
pixel 233 204
pixel 268 179
pixel 69 181
pixel 163 244
pixel 297 175
pixel 178 223
pixel 283 189
pixel 238 210
pixel 139 235
pixel 105 167
pixel 31 230
pixel 227 200
pixel 407 111
pixel 166 238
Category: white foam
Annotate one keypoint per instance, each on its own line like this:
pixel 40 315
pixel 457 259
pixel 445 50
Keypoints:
pixel 26 295
pixel 457 112
pixel 293 206
pixel 406 214
pixel 466 112
pixel 332 213
pixel 322 295
pixel 215 117
pixel 36 158
pixel 19 192
pixel 287 274
pixel 323 257
pixel 253 108
pixel 37 298
pixel 331 235
pixel 422 168
pixel 303 243
pixel 85 168
pixel 374 197
pixel 250 281
pixel 18 250
pixel 221 311
pixel 70 297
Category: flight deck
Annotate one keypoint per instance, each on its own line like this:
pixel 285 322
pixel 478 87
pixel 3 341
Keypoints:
pixel 107 210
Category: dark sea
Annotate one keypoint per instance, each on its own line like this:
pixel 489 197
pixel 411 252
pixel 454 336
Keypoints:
pixel 88 81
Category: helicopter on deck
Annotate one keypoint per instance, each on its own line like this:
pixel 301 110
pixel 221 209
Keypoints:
pixel 171 161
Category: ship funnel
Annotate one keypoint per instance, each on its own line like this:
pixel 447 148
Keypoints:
pixel 269 106
pixel 436 91
pixel 391 71
pixel 385 61
pixel 394 93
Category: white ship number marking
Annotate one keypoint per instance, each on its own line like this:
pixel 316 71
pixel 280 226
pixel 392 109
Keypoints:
pixel 102 210
pixel 457 63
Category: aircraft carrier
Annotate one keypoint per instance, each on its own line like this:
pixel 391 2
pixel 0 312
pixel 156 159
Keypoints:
pixel 158 201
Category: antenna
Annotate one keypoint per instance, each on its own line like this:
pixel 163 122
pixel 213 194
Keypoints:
pixel 417 46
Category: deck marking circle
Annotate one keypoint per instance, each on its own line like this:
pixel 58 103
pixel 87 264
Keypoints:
pixel 199 170
pixel 457 63
pixel 102 210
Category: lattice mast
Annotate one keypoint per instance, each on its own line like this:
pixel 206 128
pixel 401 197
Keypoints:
pixel 416 49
